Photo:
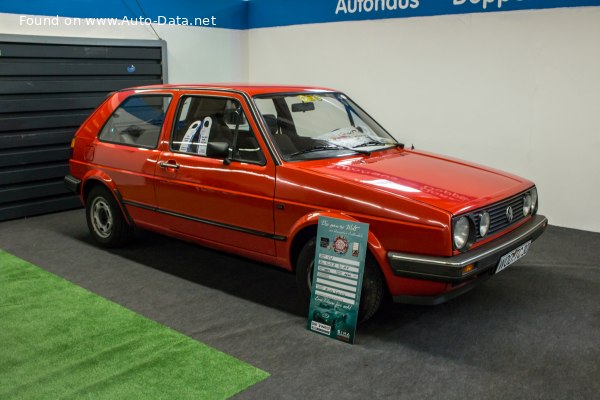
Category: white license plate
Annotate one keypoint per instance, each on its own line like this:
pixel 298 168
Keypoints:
pixel 513 256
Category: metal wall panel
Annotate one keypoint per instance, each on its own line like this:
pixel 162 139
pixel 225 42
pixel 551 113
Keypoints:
pixel 48 87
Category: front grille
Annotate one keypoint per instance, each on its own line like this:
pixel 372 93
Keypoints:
pixel 498 218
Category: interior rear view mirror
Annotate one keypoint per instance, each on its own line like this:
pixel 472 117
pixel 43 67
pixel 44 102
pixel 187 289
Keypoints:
pixel 302 107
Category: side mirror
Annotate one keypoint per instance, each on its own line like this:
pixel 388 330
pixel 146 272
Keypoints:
pixel 217 149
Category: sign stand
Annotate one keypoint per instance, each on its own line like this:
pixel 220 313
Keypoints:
pixel 337 278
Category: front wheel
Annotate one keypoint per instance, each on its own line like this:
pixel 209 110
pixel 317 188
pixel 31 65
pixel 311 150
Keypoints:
pixel 105 219
pixel 372 287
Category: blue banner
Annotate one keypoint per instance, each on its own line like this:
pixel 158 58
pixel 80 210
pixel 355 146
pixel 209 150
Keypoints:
pixel 268 13
pixel 242 14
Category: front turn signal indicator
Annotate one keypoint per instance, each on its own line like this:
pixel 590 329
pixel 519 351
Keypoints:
pixel 467 269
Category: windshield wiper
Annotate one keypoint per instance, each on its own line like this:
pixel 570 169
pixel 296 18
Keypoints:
pixel 328 147
pixel 377 143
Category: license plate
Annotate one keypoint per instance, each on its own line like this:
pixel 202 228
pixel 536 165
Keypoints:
pixel 513 256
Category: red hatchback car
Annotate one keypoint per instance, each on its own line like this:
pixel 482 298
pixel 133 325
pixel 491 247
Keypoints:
pixel 249 170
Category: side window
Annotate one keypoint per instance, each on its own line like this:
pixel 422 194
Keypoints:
pixel 203 120
pixel 137 121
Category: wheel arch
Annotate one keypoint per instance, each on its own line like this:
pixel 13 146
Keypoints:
pixel 100 179
pixel 306 228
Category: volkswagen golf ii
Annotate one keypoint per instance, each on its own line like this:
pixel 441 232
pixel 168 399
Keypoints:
pixel 250 169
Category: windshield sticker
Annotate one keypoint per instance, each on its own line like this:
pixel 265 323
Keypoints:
pixel 349 137
pixel 309 98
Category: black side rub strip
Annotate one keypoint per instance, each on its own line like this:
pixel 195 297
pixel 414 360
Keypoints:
pixel 208 222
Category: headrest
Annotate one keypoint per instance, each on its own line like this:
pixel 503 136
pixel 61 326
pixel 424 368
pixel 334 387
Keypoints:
pixel 209 106
pixel 272 123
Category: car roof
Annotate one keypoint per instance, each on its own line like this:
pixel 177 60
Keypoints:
pixel 249 89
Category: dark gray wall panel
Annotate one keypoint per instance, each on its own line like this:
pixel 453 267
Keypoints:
pixel 58 119
pixel 41 206
pixel 35 155
pixel 41 137
pixel 55 102
pixel 18 193
pixel 32 173
pixel 85 52
pixel 37 85
pixel 48 87
pixel 74 68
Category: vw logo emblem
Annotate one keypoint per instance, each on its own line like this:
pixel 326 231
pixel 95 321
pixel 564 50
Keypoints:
pixel 509 213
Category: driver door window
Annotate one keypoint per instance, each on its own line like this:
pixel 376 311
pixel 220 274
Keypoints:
pixel 202 120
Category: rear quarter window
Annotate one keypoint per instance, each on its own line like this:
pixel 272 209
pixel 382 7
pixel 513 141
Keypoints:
pixel 137 121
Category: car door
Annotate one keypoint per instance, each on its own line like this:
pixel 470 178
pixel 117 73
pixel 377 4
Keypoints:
pixel 219 199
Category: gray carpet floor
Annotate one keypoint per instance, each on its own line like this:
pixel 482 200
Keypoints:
pixel 531 332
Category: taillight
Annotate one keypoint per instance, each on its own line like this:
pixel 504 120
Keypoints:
pixel 72 147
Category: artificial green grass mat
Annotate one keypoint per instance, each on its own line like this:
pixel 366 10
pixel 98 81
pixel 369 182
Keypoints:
pixel 58 340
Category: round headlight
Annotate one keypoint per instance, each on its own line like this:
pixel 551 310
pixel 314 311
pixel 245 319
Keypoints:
pixel 526 204
pixel 461 232
pixel 484 224
pixel 534 200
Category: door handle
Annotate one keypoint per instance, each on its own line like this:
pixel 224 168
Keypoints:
pixel 168 164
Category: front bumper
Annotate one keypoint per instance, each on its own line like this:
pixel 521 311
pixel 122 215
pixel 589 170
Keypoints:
pixel 484 258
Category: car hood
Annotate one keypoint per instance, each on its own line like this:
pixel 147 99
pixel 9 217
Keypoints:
pixel 450 184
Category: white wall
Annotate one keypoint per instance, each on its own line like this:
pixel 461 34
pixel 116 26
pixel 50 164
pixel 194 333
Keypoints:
pixel 195 54
pixel 519 91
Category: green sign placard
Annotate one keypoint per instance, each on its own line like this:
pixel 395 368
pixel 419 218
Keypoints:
pixel 337 278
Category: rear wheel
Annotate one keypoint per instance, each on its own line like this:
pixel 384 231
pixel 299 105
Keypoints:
pixel 105 219
pixel 372 287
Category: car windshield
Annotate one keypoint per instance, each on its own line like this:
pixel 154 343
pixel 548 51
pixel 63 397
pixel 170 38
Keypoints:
pixel 321 125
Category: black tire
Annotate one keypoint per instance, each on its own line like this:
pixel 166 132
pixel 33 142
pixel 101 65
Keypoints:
pixel 105 219
pixel 372 291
